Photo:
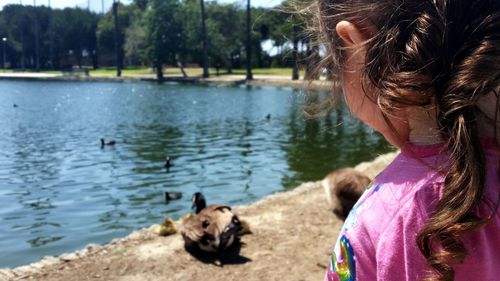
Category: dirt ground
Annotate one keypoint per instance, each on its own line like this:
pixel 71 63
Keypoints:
pixel 293 233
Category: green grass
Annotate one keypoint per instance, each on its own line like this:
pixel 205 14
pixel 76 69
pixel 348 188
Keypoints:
pixel 284 71
pixel 111 71
pixel 192 72
pixel 131 71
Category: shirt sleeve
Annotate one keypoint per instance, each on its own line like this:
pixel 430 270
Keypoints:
pixel 353 256
pixel 397 253
pixel 378 240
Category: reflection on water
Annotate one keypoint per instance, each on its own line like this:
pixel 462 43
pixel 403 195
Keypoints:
pixel 61 191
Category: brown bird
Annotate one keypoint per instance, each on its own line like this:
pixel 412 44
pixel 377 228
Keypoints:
pixel 343 187
pixel 212 229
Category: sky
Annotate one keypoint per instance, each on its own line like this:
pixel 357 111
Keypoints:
pixel 96 5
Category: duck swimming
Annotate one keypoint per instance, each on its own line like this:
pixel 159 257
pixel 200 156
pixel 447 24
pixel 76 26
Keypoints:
pixel 108 142
pixel 212 228
pixel 343 188
pixel 169 195
pixel 168 164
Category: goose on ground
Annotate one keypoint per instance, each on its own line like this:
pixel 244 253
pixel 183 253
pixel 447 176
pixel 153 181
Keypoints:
pixel 212 228
pixel 343 187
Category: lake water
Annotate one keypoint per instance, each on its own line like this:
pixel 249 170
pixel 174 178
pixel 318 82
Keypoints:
pixel 60 191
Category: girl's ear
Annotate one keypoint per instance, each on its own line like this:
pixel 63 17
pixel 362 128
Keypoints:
pixel 350 34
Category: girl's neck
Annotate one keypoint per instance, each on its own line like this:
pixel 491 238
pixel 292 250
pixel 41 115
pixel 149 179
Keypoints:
pixel 423 125
pixel 486 115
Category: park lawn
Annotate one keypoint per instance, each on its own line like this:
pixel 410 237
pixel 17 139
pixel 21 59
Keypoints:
pixel 132 71
pixel 192 72
pixel 282 71
pixel 129 71
pixel 171 71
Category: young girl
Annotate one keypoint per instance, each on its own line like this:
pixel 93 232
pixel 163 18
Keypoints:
pixel 426 75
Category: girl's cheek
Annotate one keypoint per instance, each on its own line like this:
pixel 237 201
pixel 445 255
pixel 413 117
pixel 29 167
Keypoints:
pixel 369 113
pixel 358 103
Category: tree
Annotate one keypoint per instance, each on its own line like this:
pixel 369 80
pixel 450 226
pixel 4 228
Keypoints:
pixel 118 37
pixel 225 26
pixel 136 43
pixel 14 24
pixel 288 28
pixel 72 35
pixel 141 4
pixel 106 32
pixel 249 43
pixel 295 69
pixel 147 33
pixel 205 40
pixel 163 33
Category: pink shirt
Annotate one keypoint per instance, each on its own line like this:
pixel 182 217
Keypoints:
pixel 378 239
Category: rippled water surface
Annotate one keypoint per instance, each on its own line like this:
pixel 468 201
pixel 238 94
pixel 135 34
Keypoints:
pixel 60 191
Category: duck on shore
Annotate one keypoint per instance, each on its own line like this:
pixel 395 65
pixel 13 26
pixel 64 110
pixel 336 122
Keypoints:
pixel 343 188
pixel 212 228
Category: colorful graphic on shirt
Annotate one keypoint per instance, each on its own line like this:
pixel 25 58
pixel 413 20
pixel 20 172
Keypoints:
pixel 344 265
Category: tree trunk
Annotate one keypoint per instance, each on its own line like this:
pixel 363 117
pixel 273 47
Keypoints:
pixel 205 40
pixel 37 41
pixel 95 63
pixel 181 66
pixel 228 63
pixel 159 73
pixel 249 44
pixel 23 61
pixel 295 71
pixel 78 54
pixel 315 59
pixel 312 59
pixel 258 54
pixel 117 41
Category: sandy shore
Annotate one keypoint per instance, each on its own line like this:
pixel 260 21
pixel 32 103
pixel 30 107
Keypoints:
pixel 292 236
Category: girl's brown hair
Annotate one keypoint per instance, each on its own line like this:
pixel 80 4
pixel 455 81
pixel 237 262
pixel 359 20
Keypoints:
pixel 441 54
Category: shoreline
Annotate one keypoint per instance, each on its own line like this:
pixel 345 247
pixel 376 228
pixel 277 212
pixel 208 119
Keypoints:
pixel 290 228
pixel 259 80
